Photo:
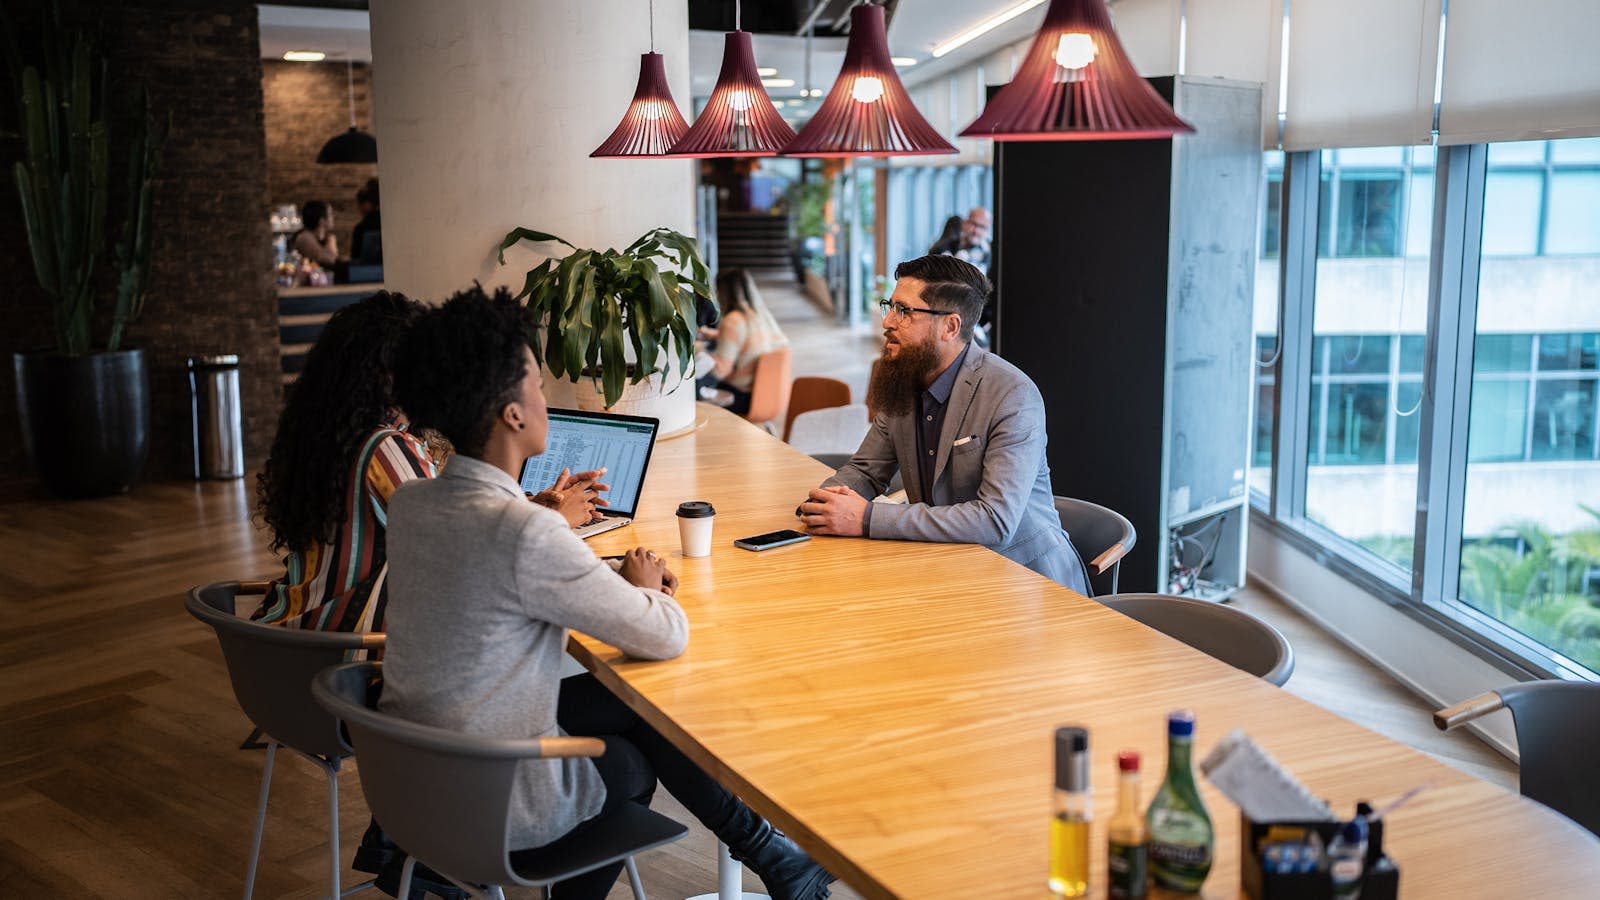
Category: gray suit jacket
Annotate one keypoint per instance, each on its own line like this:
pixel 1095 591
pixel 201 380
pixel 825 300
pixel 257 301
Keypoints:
pixel 991 483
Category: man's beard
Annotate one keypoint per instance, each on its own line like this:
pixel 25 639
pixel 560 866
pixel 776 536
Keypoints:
pixel 896 381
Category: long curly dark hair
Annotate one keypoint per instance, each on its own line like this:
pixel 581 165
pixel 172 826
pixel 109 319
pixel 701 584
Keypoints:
pixel 344 392
pixel 476 348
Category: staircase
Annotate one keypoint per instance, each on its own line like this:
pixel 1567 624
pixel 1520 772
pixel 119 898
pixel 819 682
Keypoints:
pixel 756 241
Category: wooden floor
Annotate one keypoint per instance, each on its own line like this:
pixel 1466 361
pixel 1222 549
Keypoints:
pixel 119 773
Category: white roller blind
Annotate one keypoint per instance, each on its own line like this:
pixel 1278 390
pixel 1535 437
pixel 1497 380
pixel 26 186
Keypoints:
pixel 1361 72
pixel 1148 30
pixel 1231 38
pixel 968 103
pixel 999 66
pixel 1237 39
pixel 1520 71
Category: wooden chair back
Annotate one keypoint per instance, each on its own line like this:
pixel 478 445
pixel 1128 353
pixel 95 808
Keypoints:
pixel 769 393
pixel 811 392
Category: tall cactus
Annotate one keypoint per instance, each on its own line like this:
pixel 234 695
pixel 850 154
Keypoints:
pixel 63 177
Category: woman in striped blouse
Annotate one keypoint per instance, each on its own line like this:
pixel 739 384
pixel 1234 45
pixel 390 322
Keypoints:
pixel 341 450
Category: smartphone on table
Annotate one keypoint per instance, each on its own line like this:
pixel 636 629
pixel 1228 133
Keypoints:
pixel 772 539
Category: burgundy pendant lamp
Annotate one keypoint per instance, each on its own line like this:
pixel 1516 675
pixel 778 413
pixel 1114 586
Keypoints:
pixel 1076 84
pixel 652 123
pixel 739 118
pixel 868 112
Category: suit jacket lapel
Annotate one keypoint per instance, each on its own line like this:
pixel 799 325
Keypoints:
pixel 955 418
pixel 905 451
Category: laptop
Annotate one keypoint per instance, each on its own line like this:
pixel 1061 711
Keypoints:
pixel 582 441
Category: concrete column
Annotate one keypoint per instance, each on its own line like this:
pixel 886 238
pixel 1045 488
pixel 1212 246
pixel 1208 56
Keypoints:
pixel 486 113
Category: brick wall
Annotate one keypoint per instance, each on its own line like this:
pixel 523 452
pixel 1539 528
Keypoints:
pixel 305 104
pixel 210 287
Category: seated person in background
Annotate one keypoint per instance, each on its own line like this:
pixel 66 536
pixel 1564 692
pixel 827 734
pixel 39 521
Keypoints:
pixel 964 427
pixel 486 586
pixel 949 238
pixel 341 449
pixel 371 224
pixel 315 240
pixel 746 333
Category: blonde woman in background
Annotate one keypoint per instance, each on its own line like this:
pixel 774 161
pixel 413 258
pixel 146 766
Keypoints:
pixel 746 332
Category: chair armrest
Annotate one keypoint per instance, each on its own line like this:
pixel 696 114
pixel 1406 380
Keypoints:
pixel 1467 710
pixel 254 587
pixel 1106 560
pixel 373 640
pixel 551 747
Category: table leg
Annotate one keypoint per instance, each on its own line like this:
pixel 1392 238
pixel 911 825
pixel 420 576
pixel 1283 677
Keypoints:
pixel 730 876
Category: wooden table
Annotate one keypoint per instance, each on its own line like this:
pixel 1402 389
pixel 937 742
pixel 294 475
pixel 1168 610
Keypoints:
pixel 891 705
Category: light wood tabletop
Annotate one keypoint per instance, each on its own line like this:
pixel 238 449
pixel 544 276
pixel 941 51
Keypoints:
pixel 891 705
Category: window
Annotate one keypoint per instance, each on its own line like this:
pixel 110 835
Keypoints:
pixel 1512 552
pixel 1530 541
pixel 1265 321
pixel 1367 346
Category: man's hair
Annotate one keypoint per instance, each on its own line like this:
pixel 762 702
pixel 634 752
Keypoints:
pixel 368 192
pixel 463 363
pixel 950 284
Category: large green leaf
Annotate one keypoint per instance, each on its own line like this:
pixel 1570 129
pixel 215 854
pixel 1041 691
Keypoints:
pixel 581 326
pixel 613 359
pixel 520 234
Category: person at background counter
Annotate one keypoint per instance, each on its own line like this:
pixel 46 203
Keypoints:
pixel 965 427
pixel 315 240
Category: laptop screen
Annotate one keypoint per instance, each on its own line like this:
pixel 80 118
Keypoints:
pixel 581 441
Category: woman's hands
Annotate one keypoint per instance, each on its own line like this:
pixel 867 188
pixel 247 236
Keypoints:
pixel 575 497
pixel 644 568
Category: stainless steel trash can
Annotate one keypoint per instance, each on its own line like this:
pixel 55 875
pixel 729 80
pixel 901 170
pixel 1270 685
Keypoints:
pixel 214 407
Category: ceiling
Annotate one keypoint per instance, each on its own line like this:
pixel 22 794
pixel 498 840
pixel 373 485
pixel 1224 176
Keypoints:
pixel 339 28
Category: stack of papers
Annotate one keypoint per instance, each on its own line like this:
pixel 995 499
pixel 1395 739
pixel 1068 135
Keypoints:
pixel 1258 785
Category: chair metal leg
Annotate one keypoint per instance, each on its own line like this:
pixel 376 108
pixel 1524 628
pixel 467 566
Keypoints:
pixel 405 877
pixel 333 827
pixel 634 880
pixel 261 819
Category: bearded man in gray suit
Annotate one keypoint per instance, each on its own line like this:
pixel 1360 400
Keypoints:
pixel 964 427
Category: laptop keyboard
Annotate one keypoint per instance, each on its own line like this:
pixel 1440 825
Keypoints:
pixel 604 525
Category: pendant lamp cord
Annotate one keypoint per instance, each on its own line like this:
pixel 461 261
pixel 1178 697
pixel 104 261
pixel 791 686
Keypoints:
pixel 350 87
pixel 652 26
pixel 738 10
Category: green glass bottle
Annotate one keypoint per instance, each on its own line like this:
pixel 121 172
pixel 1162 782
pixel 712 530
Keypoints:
pixel 1181 839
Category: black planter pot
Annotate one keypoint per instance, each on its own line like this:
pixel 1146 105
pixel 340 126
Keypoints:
pixel 85 419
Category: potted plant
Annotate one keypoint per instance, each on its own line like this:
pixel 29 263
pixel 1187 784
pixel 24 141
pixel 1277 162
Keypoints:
pixel 84 405
pixel 618 326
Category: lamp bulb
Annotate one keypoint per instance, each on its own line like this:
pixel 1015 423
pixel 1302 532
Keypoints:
pixel 1075 50
pixel 867 89
pixel 651 110
pixel 739 100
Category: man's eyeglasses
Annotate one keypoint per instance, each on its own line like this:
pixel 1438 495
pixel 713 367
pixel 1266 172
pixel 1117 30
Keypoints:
pixel 904 311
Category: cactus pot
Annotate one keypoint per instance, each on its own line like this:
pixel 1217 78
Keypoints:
pixel 85 419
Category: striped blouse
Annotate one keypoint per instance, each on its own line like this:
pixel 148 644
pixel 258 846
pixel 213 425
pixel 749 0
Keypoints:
pixel 340 586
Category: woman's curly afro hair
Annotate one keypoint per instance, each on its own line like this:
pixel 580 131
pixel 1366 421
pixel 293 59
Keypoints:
pixel 345 391
pixel 465 361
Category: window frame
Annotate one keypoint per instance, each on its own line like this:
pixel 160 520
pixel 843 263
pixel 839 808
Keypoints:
pixel 1429 593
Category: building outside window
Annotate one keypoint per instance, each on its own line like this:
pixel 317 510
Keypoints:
pixel 1370 311
pixel 1530 550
